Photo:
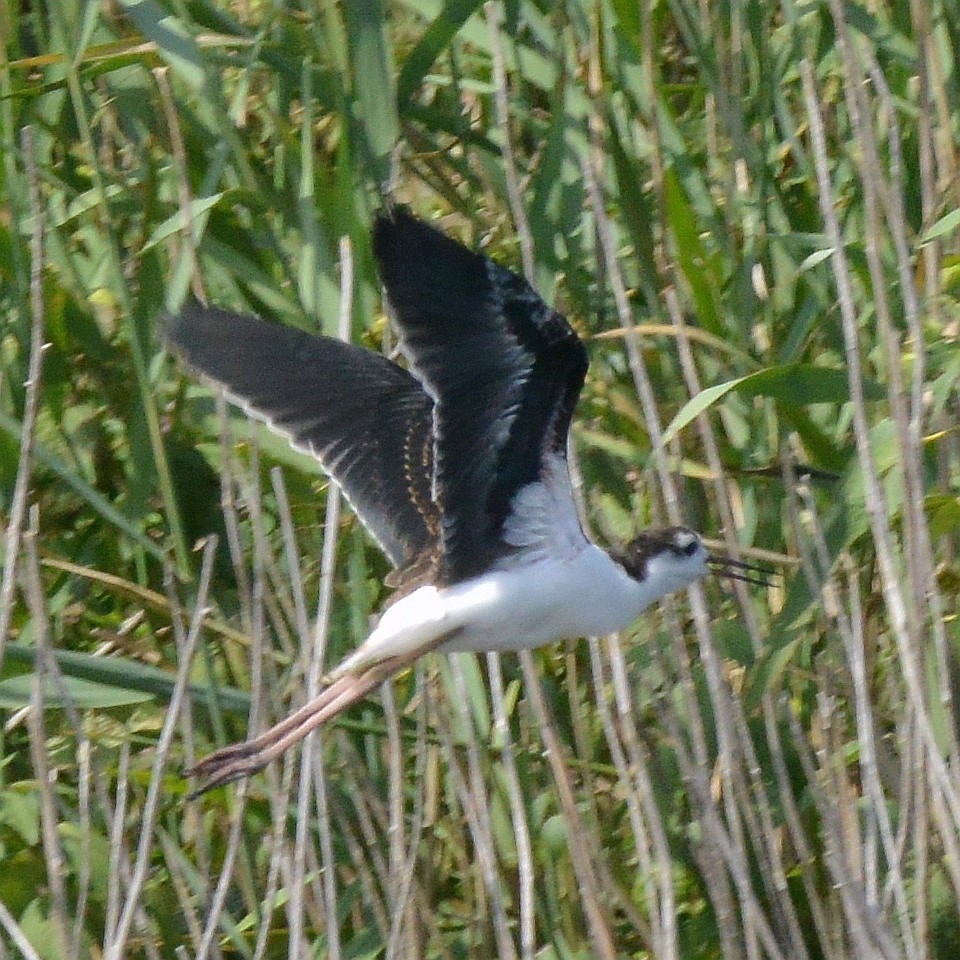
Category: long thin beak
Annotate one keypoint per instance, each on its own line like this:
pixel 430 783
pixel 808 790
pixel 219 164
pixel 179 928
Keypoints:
pixel 758 573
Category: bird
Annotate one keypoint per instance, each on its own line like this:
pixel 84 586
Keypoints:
pixel 456 464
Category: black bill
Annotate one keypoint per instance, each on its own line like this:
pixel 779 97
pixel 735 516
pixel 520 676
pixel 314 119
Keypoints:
pixel 758 573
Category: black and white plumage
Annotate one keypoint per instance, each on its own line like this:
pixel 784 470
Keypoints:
pixel 457 467
pixel 504 369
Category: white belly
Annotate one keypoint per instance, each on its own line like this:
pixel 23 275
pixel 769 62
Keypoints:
pixel 584 595
pixel 511 609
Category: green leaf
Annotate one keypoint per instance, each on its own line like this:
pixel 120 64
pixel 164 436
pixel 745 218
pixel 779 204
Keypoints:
pixel 617 447
pixel 436 38
pixel 16 692
pixel 795 383
pixel 178 221
pixel 943 511
pixel 946 224
pixel 373 82
pixel 691 253
pixel 97 502
pixel 41 932
pixel 769 671
pixel 21 812
pixel 733 642
pixel 882 33
pixel 88 852
pixel 177 46
pixel 804 383
pixel 818 256
pixel 130 676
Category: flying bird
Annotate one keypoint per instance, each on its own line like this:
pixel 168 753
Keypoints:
pixel 456 465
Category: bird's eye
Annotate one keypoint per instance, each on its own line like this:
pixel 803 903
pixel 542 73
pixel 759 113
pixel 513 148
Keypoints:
pixel 691 548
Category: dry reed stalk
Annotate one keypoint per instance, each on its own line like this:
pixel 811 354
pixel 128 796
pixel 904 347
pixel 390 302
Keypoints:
pixel 668 492
pixel 31 406
pixel 116 947
pixel 578 835
pixel 894 598
pixel 633 760
pixel 214 922
pixel 53 852
pixel 404 914
pixel 16 934
pixel 854 644
pixel 770 851
pixel 280 787
pixel 518 813
pixel 580 840
pixel 312 774
pixel 472 796
pixel 118 854
pixel 230 511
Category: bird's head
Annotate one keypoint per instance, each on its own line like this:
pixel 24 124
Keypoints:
pixel 675 557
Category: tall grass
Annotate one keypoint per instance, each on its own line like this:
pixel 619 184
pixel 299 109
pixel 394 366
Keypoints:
pixel 749 211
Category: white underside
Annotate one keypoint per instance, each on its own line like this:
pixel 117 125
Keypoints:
pixel 557 584
pixel 511 609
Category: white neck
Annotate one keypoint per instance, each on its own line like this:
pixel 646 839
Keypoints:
pixel 616 599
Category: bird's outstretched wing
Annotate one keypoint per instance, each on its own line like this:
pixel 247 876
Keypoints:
pixel 367 420
pixel 504 369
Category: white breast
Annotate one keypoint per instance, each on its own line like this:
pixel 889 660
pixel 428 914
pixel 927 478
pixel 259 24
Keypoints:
pixel 556 585
pixel 526 607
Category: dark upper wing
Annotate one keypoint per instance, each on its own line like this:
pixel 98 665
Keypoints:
pixel 366 420
pixel 504 369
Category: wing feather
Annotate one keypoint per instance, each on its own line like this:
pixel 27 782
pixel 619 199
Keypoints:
pixel 367 420
pixel 504 369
